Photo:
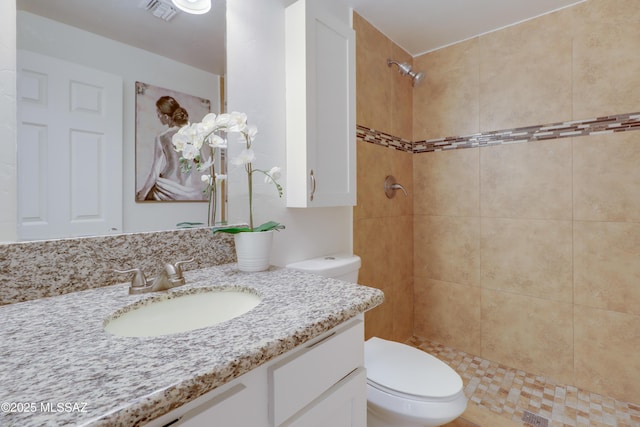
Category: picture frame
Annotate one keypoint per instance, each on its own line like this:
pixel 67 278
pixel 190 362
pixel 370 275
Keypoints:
pixel 160 112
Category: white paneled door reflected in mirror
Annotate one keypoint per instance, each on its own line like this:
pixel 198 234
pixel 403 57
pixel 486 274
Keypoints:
pixel 77 67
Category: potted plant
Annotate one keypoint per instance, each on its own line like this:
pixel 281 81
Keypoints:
pixel 253 243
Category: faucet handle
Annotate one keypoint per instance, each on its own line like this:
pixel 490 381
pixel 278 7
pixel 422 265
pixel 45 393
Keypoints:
pixel 138 280
pixel 175 270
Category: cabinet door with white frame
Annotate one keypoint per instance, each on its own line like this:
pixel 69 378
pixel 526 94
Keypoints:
pixel 343 405
pixel 320 86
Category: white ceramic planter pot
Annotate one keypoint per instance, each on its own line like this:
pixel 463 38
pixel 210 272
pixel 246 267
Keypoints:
pixel 253 250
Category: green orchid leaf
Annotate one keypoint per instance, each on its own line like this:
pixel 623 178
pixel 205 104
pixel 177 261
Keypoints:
pixel 231 230
pixel 187 224
pixel 267 226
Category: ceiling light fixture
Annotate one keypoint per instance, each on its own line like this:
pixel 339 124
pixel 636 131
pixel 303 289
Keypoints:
pixel 195 7
pixel 160 9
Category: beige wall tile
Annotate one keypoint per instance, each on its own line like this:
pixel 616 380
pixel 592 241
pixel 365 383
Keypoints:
pixel 448 313
pixel 533 334
pixel 606 177
pixel 525 73
pixel 385 246
pixel 605 61
pixel 401 301
pixel 402 170
pixel 528 257
pixel 383 96
pixel 447 248
pixel 447 182
pixel 448 92
pixel 371 244
pixel 526 180
pixel 393 319
pixel 606 345
pixel 375 162
pixel 376 321
pixel 399 232
pixel 607 265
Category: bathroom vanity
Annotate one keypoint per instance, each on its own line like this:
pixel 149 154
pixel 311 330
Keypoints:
pixel 296 356
pixel 322 382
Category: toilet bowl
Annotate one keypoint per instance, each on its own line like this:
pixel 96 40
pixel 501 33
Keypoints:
pixel 406 387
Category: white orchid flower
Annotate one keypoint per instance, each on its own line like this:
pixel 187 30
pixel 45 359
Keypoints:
pixel 211 123
pixel 206 178
pixel 216 141
pixel 246 156
pixel 273 175
pixel 222 121
pixel 237 122
pixel 191 133
pixel 184 136
pixel 210 120
pixel 190 152
pixel 252 131
pixel 179 141
pixel 186 130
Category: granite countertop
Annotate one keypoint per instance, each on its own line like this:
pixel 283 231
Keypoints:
pixel 59 367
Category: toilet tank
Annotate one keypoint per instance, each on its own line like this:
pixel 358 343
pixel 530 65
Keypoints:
pixel 338 266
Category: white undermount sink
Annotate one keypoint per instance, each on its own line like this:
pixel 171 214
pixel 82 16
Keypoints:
pixel 170 314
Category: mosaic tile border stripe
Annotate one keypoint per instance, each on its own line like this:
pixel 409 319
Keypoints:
pixel 598 125
pixel 384 139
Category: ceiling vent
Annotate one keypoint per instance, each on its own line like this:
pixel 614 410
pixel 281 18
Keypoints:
pixel 160 9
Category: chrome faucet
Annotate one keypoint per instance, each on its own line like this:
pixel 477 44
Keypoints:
pixel 170 277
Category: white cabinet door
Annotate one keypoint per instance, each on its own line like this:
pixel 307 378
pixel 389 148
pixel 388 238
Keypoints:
pixel 343 405
pixel 298 380
pixel 320 86
pixel 69 149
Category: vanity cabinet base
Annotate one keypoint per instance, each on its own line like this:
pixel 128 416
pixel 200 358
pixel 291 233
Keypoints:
pixel 320 383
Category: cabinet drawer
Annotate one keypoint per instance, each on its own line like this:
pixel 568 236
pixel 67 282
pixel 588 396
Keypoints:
pixel 298 380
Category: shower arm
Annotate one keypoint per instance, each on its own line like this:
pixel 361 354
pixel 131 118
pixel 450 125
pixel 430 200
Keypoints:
pixel 406 70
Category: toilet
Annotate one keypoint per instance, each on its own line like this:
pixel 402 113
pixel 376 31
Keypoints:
pixel 406 387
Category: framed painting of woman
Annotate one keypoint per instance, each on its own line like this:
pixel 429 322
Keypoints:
pixel 160 113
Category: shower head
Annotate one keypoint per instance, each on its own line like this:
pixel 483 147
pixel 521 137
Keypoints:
pixel 405 69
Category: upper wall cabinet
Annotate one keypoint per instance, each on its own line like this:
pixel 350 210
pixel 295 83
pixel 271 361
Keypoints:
pixel 320 84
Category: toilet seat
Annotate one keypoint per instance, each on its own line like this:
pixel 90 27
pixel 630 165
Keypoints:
pixel 405 371
pixel 408 387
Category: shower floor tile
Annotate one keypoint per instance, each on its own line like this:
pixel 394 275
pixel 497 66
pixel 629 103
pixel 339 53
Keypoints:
pixel 510 392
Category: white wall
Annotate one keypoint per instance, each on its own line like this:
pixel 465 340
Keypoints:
pixel 256 85
pixel 74 45
pixel 8 195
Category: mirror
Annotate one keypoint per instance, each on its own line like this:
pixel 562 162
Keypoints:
pixel 140 41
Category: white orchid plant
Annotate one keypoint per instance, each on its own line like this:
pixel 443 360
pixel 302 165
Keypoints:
pixel 193 138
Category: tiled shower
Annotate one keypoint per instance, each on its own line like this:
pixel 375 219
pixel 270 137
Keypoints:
pixel 520 239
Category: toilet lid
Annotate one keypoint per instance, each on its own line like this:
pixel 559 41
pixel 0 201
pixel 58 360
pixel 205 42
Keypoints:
pixel 407 370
